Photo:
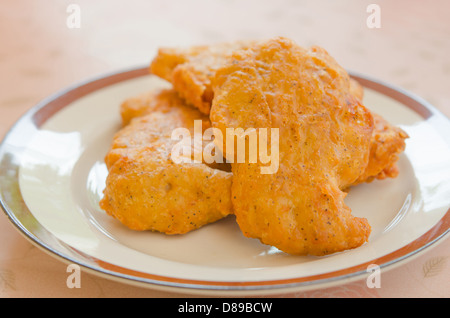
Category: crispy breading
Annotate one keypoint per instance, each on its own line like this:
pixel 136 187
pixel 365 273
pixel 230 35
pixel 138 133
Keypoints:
pixel 190 69
pixel 324 141
pixel 156 100
pixel 145 189
pixel 356 89
pixel 161 101
pixel 387 142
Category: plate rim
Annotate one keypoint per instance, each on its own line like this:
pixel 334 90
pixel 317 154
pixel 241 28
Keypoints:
pixel 45 109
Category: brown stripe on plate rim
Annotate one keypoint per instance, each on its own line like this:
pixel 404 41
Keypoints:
pixel 64 98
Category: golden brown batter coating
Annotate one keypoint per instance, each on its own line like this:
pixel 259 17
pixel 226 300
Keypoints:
pixel 146 190
pixel 324 142
pixel 387 142
pixel 356 89
pixel 190 69
pixel 157 100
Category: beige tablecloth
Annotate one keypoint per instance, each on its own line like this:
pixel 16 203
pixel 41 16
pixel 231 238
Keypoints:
pixel 41 53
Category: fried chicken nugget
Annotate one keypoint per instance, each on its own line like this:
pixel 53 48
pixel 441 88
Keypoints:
pixel 190 69
pixel 146 189
pixel 324 142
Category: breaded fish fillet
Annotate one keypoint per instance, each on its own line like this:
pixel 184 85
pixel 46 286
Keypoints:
pixel 145 189
pixel 324 143
pixel 190 70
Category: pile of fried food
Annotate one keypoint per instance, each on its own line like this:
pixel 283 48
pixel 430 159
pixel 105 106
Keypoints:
pixel 328 142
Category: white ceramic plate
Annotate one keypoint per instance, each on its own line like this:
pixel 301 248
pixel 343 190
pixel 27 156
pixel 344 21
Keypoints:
pixel 52 176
